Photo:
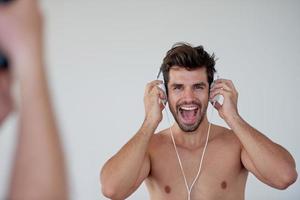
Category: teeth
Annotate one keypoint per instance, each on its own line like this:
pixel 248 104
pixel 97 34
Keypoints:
pixel 188 107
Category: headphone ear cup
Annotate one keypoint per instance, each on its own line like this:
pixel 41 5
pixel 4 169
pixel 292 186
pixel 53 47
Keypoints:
pixel 218 98
pixel 163 88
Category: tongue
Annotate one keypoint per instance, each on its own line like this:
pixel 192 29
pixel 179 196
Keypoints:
pixel 189 116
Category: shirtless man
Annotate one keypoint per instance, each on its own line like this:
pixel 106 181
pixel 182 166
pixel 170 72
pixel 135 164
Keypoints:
pixel 188 73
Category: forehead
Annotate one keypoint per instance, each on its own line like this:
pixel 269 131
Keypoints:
pixel 184 76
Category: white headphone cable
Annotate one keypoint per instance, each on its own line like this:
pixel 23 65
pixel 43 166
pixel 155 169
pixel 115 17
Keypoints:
pixel 189 189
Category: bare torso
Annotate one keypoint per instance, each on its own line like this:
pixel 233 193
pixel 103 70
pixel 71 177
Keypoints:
pixel 222 176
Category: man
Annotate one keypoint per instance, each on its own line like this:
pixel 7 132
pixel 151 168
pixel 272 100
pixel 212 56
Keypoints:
pixel 38 171
pixel 188 74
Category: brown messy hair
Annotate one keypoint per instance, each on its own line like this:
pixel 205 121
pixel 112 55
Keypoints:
pixel 189 57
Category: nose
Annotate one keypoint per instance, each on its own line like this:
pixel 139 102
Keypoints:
pixel 189 94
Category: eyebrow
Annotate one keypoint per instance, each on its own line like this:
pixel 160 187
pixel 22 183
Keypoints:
pixel 200 84
pixel 196 84
pixel 176 85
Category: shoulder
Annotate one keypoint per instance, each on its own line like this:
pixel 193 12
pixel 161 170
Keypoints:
pixel 224 135
pixel 160 137
pixel 159 140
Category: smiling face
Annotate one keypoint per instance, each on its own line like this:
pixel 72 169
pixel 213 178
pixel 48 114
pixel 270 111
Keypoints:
pixel 188 93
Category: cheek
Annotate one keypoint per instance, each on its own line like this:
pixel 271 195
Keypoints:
pixel 202 96
pixel 204 99
pixel 172 100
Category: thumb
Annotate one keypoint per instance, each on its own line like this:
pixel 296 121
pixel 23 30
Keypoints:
pixel 216 105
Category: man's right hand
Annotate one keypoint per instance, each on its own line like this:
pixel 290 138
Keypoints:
pixel 153 103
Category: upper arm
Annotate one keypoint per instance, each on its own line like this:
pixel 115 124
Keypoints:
pixel 143 174
pixel 249 165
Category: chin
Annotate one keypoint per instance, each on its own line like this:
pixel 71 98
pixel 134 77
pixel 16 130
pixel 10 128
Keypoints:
pixel 186 124
pixel 189 128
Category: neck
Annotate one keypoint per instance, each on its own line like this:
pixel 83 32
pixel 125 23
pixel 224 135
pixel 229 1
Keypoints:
pixel 191 140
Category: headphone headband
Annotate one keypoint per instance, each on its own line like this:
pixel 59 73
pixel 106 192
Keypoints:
pixel 159 72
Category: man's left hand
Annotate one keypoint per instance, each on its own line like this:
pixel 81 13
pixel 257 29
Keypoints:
pixel 225 87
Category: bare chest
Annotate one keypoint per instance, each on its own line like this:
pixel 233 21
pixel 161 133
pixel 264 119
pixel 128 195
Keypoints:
pixel 222 174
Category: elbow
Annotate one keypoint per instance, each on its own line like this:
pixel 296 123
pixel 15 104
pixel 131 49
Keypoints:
pixel 109 192
pixel 109 189
pixel 112 193
pixel 106 188
pixel 113 187
pixel 287 179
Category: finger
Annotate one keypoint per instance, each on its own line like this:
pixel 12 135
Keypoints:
pixel 155 91
pixel 159 95
pixel 216 105
pixel 151 84
pixel 227 82
pixel 220 80
pixel 221 85
pixel 162 93
pixel 216 92
pixel 223 81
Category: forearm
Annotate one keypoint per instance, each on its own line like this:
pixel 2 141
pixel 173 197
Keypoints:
pixel 271 160
pixel 39 160
pixel 121 172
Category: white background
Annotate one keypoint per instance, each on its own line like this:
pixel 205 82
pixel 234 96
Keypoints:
pixel 100 55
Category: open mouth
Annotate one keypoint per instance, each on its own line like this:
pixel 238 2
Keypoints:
pixel 188 113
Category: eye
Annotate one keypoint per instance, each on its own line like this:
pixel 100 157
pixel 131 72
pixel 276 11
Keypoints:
pixel 199 87
pixel 177 87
